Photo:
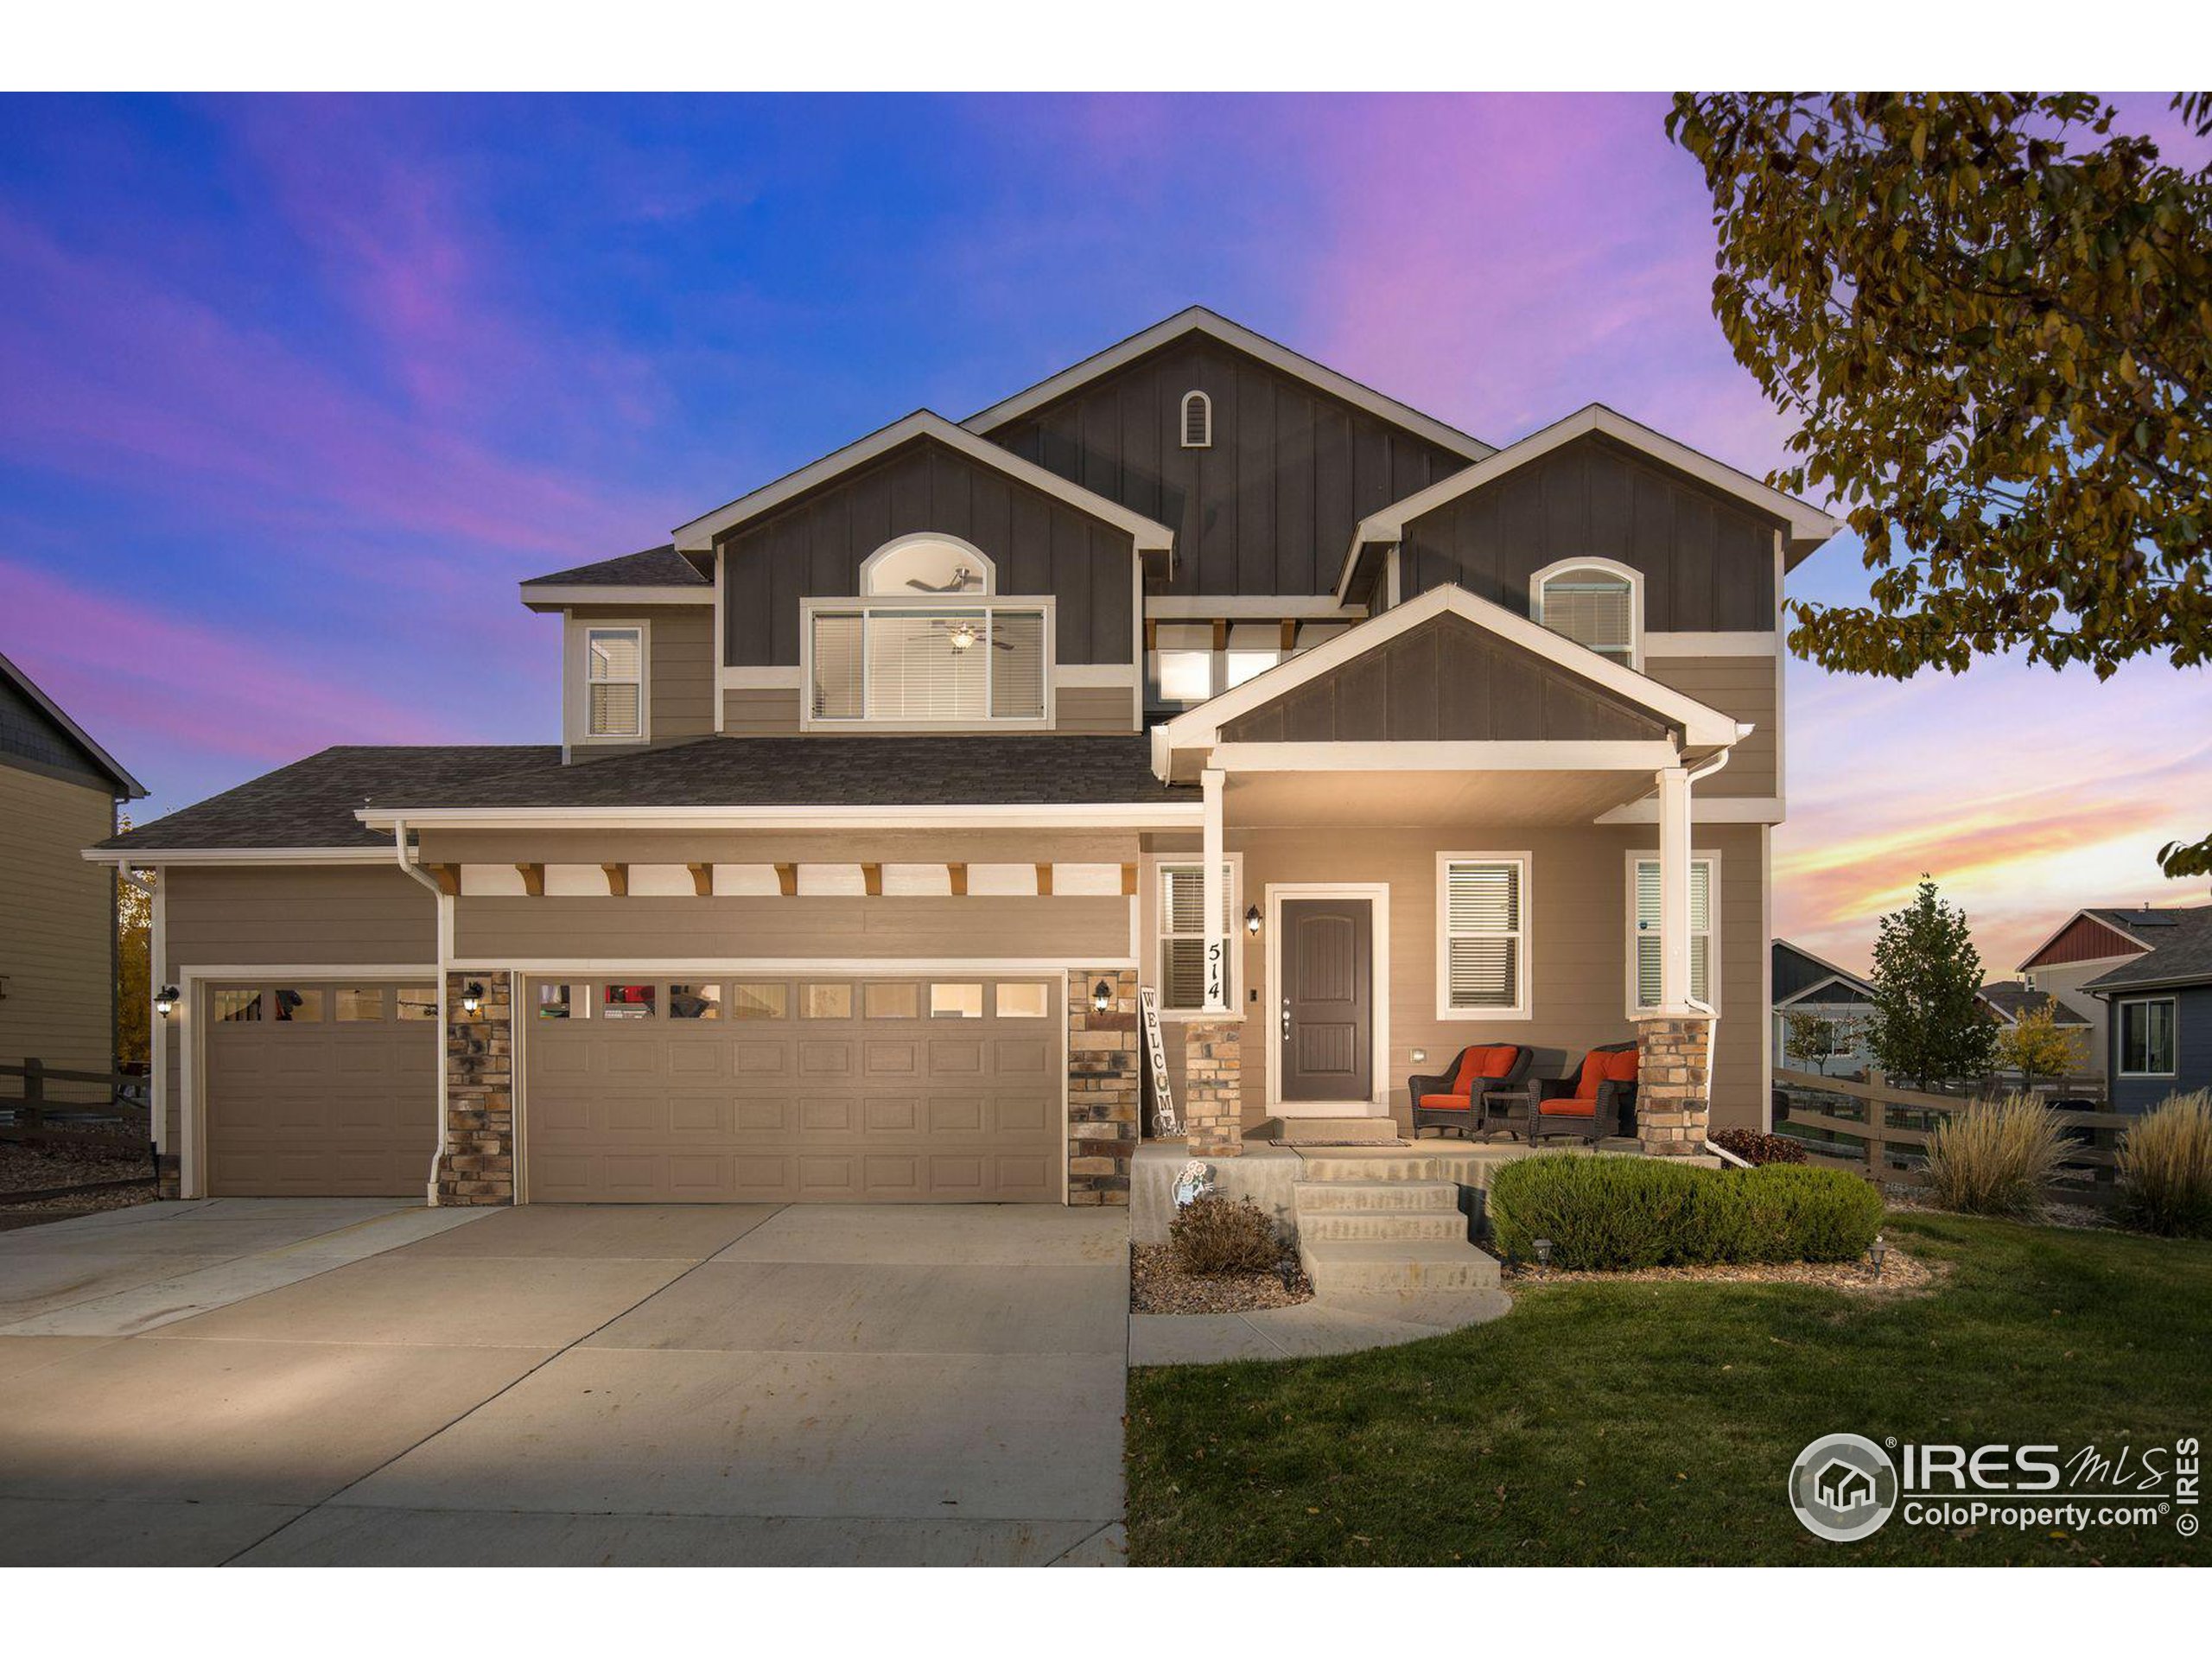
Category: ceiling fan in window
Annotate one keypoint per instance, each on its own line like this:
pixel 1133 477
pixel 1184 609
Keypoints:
pixel 963 581
pixel 962 632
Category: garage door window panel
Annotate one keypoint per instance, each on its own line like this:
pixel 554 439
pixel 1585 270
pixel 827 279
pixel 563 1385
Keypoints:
pixel 359 1006
pixel 695 1002
pixel 759 999
pixel 1033 1002
pixel 237 1007
pixel 297 1005
pixel 826 1002
pixel 629 1001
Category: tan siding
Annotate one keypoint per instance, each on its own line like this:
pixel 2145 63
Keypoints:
pixel 491 930
pixel 56 925
pixel 349 915
pixel 1578 947
pixel 1093 709
pixel 1748 688
pixel 680 666
pixel 760 711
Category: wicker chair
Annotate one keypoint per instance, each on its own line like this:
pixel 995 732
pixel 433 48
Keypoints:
pixel 1593 1104
pixel 1458 1099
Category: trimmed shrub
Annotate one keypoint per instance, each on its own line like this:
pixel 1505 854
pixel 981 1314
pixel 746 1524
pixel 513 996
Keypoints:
pixel 2165 1168
pixel 1213 1234
pixel 1996 1157
pixel 1755 1148
pixel 1620 1212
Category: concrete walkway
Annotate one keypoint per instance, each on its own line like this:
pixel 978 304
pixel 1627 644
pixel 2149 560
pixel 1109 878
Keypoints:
pixel 723 1384
pixel 1327 1324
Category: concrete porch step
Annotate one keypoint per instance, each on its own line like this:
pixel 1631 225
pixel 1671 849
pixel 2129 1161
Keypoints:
pixel 1363 1267
pixel 1401 1226
pixel 1332 1131
pixel 1377 1165
pixel 1321 1197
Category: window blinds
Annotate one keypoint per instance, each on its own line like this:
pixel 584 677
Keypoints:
pixel 1593 608
pixel 614 664
pixel 1647 931
pixel 954 666
pixel 1483 908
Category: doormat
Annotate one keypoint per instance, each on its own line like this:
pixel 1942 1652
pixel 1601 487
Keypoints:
pixel 1330 1140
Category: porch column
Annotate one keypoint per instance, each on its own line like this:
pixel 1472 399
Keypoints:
pixel 1673 889
pixel 1217 947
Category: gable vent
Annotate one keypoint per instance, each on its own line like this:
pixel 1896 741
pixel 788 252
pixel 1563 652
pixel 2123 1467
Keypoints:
pixel 1197 421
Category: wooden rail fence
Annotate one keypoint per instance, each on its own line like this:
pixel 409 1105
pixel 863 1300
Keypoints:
pixel 34 1117
pixel 1890 1126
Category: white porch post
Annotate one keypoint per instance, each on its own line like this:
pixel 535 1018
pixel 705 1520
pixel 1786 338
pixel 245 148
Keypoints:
pixel 1673 889
pixel 1216 938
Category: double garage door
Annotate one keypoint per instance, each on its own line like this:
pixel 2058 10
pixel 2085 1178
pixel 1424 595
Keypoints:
pixel 894 1089
pixel 325 1090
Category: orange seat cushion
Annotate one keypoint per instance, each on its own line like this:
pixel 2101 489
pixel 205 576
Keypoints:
pixel 1576 1106
pixel 1488 1064
pixel 1447 1102
pixel 1604 1068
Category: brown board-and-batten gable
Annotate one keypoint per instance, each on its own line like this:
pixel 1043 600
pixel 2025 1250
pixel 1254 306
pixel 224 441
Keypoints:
pixel 813 547
pixel 2085 939
pixel 1708 561
pixel 1267 505
pixel 1445 680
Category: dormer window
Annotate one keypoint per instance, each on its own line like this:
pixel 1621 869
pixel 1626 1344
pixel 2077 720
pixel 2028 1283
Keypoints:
pixel 1594 602
pixel 614 679
pixel 1197 421
pixel 928 643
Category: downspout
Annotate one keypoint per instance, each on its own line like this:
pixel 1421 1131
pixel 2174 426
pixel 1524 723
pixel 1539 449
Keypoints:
pixel 1712 1015
pixel 436 903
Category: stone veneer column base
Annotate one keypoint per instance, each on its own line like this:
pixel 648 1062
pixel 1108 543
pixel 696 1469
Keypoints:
pixel 1105 1069
pixel 1673 1100
pixel 478 1163
pixel 1213 1087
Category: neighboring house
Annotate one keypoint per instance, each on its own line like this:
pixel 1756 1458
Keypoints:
pixel 2005 1000
pixel 59 791
pixel 2090 943
pixel 1807 986
pixel 883 788
pixel 2160 1009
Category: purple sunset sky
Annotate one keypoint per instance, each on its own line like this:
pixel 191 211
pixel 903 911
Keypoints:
pixel 294 390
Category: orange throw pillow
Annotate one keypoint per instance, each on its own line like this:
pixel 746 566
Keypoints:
pixel 1593 1073
pixel 1621 1067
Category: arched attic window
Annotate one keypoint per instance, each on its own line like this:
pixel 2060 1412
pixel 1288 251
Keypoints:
pixel 1197 421
pixel 918 566
pixel 1594 602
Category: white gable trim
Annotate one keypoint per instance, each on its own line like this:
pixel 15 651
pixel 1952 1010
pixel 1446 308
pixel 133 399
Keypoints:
pixel 1808 525
pixel 1839 980
pixel 1200 727
pixel 698 535
pixel 1197 320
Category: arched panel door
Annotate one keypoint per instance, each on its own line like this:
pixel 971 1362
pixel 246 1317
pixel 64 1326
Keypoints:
pixel 1328 999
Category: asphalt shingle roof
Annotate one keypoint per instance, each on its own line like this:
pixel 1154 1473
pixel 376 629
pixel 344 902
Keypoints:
pixel 312 802
pixel 2181 951
pixel 2011 998
pixel 656 567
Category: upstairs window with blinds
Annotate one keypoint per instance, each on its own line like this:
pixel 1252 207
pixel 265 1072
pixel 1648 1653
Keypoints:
pixel 937 665
pixel 1482 936
pixel 1646 929
pixel 1593 605
pixel 615 683
pixel 1182 981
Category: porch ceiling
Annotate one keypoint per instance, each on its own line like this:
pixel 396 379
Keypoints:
pixel 1425 799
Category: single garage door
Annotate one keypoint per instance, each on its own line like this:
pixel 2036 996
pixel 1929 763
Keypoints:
pixel 320 1091
pixel 906 1090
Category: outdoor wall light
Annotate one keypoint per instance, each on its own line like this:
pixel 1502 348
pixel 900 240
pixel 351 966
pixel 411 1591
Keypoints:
pixel 1875 1252
pixel 1252 920
pixel 1543 1252
pixel 165 1000
pixel 1101 997
pixel 473 998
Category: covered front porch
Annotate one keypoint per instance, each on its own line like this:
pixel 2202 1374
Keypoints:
pixel 1395 872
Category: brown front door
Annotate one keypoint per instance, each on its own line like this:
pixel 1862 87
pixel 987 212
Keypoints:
pixel 1328 999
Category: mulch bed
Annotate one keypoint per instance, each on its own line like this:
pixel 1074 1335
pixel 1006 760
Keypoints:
pixel 1159 1285
pixel 1902 1275
pixel 2080 1216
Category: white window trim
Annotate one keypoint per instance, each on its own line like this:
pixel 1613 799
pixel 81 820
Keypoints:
pixel 984 562
pixel 1714 962
pixel 2119 1035
pixel 1149 922
pixel 808 607
pixel 577 725
pixel 1183 420
pixel 1611 567
pixel 1524 1005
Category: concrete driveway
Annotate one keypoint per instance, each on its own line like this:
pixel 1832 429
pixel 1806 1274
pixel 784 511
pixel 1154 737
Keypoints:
pixel 330 1383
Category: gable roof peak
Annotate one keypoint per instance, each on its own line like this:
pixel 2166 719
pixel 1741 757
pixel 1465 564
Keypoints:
pixel 1198 319
pixel 126 787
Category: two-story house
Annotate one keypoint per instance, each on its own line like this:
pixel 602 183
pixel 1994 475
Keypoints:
pixel 882 789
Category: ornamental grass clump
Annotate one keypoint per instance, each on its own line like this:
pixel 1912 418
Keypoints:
pixel 1996 1157
pixel 2165 1168
pixel 1619 1213
pixel 1216 1235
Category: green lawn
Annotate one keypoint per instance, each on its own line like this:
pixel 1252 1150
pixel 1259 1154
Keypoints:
pixel 1656 1423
